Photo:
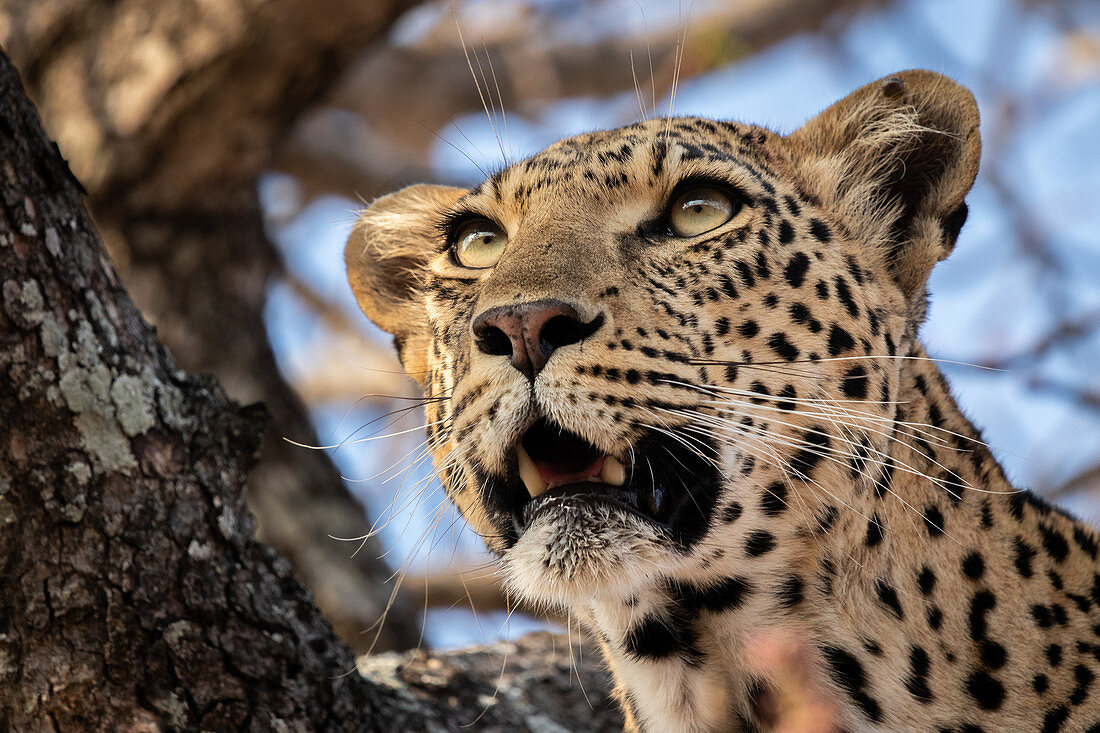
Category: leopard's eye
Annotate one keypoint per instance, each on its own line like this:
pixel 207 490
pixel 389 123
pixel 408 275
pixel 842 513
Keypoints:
pixel 698 210
pixel 479 244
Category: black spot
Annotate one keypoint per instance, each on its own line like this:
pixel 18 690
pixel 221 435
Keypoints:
pixel 788 393
pixel 746 274
pixel 722 326
pixel 1016 505
pixel 1084 605
pixel 748 329
pixel 727 594
pixel 973 566
pixel 993 654
pixel 795 271
pixel 874 531
pixel 800 314
pixel 848 674
pixel 917 681
pixel 828 516
pixel 759 542
pixel 1040 683
pixel 1084 677
pixel 1042 616
pixel 986 690
pixel 1054 543
pixel 1086 541
pixel 820 230
pixel 822 289
pixel 1054 654
pixel 926 581
pixel 854 383
pixel 658 638
pixel 1024 555
pixel 934 617
pixel 845 296
pixel 933 519
pixel 762 269
pixel 987 515
pixel 791 591
pixel 981 604
pixel 774 499
pixel 781 346
pixel 732 512
pixel 857 275
pixel 1055 719
pixel 888 597
pixel 839 341
pixel 786 232
pixel 804 461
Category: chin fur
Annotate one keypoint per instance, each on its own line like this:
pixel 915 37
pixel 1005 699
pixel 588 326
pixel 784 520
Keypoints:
pixel 573 555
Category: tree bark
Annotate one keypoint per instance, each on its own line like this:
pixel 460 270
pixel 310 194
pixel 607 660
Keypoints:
pixel 135 596
pixel 168 111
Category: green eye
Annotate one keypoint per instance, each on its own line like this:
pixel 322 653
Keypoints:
pixel 698 210
pixel 479 244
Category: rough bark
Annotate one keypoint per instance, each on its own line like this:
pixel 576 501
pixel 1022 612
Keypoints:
pixel 167 110
pixel 135 596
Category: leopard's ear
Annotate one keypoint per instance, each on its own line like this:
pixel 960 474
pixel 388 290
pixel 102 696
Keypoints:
pixel 387 254
pixel 895 159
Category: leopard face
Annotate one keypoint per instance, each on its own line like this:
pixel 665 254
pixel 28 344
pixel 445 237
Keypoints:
pixel 616 335
pixel 672 377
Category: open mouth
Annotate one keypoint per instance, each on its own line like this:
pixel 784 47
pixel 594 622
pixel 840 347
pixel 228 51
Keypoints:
pixel 667 482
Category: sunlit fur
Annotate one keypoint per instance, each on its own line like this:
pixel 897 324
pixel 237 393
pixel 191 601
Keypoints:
pixel 857 511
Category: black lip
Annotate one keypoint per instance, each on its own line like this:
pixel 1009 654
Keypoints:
pixel 585 492
pixel 673 485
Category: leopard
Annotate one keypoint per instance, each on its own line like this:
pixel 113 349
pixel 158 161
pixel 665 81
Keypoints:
pixel 672 376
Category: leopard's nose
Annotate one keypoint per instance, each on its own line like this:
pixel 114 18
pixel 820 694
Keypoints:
pixel 529 333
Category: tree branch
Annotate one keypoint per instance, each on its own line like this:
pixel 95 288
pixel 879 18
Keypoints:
pixel 135 594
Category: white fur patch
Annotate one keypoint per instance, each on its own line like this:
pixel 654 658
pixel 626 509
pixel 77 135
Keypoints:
pixel 575 553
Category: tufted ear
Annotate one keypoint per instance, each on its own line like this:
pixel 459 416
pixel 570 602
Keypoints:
pixel 386 256
pixel 896 158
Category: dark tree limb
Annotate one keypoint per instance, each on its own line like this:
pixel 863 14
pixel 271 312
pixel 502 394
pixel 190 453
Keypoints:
pixel 135 595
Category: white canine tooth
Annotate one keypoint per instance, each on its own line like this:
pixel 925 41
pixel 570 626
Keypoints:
pixel 529 473
pixel 613 471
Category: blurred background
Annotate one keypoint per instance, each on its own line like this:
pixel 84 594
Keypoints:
pixel 227 146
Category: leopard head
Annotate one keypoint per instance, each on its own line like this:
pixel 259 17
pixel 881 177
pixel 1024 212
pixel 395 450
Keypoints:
pixel 633 336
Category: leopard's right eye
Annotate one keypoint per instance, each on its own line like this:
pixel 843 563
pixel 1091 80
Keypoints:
pixel 479 243
pixel 700 209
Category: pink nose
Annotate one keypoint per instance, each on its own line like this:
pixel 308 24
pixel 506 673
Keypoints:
pixel 528 333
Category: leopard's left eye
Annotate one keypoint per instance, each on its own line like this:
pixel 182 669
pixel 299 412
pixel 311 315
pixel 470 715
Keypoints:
pixel 700 209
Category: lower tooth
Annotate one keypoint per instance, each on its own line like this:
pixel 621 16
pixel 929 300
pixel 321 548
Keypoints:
pixel 613 471
pixel 529 473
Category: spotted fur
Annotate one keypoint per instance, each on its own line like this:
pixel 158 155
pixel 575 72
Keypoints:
pixel 846 499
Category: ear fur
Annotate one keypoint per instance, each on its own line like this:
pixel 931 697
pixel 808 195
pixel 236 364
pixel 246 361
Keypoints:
pixel 386 256
pixel 896 159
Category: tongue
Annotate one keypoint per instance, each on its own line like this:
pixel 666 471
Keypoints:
pixel 557 473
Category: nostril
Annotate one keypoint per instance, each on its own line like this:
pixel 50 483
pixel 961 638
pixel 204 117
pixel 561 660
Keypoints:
pixel 493 341
pixel 528 333
pixel 563 330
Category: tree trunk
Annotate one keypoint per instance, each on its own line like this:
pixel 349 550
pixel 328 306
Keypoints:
pixel 168 111
pixel 135 596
